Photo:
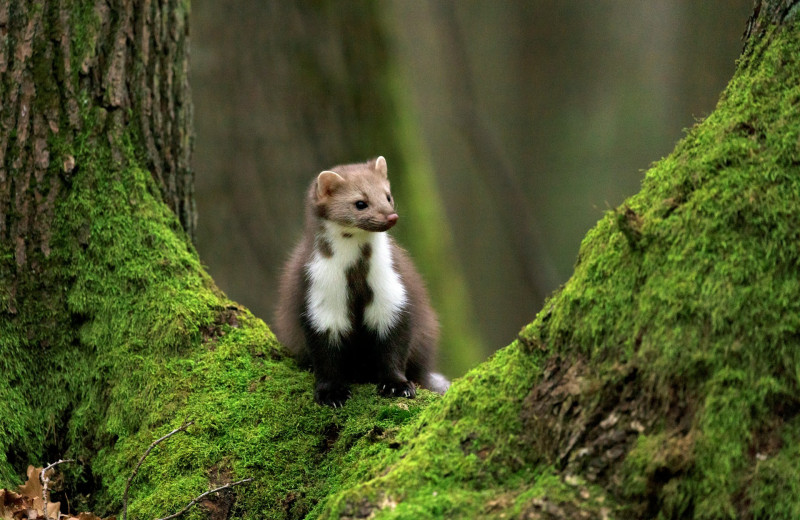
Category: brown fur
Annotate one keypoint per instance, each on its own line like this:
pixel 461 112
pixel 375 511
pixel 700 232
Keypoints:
pixel 333 197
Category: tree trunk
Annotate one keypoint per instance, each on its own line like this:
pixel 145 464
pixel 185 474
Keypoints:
pixel 661 381
pixel 125 65
pixel 89 92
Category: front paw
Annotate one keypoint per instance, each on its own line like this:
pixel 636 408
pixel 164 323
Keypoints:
pixel 331 394
pixel 397 389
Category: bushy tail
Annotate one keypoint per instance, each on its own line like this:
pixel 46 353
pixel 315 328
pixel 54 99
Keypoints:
pixel 436 382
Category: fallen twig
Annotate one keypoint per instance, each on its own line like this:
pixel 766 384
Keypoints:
pixel 181 428
pixel 46 480
pixel 198 498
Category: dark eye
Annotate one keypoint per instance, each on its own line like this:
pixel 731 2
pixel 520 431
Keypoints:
pixel 389 197
pixel 361 205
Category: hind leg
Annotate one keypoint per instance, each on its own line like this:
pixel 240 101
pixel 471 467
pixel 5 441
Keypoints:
pixel 391 362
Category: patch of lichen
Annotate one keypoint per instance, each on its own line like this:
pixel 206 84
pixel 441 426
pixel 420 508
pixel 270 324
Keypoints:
pixel 694 282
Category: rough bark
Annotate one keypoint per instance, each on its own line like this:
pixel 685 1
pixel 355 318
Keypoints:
pixel 85 88
pixel 766 13
pixel 128 63
pixel 661 381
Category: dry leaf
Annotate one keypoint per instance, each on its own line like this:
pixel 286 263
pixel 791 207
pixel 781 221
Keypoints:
pixel 33 486
pixel 10 503
pixel 53 508
pixel 27 503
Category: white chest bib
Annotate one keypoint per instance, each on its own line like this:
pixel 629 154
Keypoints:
pixel 327 297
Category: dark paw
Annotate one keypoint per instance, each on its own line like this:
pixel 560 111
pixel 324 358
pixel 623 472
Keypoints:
pixel 397 389
pixel 331 394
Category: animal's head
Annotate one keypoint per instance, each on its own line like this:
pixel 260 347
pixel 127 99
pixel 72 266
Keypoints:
pixel 356 196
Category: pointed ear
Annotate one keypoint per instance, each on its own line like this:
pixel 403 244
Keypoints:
pixel 327 182
pixel 380 167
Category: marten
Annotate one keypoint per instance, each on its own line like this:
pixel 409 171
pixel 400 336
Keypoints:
pixel 351 305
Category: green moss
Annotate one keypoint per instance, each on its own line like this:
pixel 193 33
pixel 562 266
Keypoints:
pixel 450 459
pixel 692 286
pixel 254 416
pixel 462 457
pixel 774 490
pixel 708 299
pixel 84 23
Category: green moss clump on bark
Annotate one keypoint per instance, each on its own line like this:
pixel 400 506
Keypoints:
pixel 694 285
pixel 463 457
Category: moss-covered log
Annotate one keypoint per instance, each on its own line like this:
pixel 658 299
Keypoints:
pixel 660 381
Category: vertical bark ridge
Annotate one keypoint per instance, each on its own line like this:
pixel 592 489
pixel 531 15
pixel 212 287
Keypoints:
pixel 767 13
pixel 129 64
pixel 24 155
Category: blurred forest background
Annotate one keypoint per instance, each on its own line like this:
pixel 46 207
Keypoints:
pixel 509 128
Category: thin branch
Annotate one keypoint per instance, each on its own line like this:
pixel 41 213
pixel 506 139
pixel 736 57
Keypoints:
pixel 46 480
pixel 198 498
pixel 181 428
